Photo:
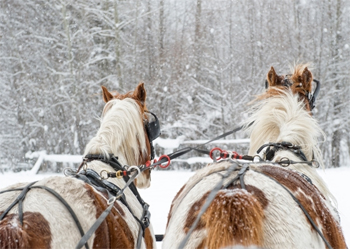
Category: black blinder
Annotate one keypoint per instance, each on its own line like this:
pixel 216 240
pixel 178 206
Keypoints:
pixel 152 126
pixel 311 96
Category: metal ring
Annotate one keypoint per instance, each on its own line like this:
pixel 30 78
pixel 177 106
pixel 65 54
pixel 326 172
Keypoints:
pixel 284 164
pixel 211 153
pixel 85 166
pixel 317 164
pixel 68 172
pixel 111 200
pixel 257 159
pixel 119 174
pixel 168 161
pixel 101 174
pixel 134 167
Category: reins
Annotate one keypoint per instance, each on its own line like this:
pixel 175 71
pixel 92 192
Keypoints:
pixel 178 153
pixel 164 158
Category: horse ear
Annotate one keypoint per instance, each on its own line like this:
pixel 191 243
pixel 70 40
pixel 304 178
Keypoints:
pixel 140 92
pixel 107 96
pixel 272 77
pixel 306 79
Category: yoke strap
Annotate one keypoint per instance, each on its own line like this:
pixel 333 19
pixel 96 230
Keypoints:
pixel 18 200
pixel 239 176
pixel 22 195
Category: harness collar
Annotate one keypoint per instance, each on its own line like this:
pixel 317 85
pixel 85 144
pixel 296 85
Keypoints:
pixel 272 148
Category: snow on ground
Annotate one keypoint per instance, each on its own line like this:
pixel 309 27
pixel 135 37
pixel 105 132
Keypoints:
pixel 165 185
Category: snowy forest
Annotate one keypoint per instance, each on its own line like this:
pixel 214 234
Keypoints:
pixel 202 62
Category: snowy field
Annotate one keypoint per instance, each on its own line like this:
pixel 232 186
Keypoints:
pixel 165 185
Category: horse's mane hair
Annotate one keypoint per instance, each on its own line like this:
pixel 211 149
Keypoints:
pixel 121 132
pixel 297 71
pixel 284 118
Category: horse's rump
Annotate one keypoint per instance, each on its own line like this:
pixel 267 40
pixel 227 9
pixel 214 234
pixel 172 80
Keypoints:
pixel 263 215
pixel 35 232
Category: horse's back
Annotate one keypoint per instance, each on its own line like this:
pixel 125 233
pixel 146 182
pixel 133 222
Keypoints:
pixel 263 215
pixel 47 223
pixel 45 216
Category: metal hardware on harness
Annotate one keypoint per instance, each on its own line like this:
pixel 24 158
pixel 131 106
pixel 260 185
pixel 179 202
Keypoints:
pixel 168 161
pixel 69 172
pixel 84 166
pixel 104 177
pixel 284 162
pixel 136 168
pixel 257 159
pixel 119 174
pixel 223 154
pixel 317 164
pixel 272 148
pixel 212 151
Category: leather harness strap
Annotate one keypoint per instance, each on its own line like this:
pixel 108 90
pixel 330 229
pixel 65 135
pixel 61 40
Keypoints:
pixel 301 207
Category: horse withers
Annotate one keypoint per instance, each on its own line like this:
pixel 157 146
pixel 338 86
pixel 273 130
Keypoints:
pixel 57 211
pixel 276 201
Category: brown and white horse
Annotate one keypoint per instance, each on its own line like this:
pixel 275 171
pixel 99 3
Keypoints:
pixel 47 223
pixel 259 204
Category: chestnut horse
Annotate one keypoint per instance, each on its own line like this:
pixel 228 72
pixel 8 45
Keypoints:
pixel 57 211
pixel 260 203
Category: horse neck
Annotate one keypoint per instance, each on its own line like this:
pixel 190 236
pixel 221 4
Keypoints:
pixel 121 133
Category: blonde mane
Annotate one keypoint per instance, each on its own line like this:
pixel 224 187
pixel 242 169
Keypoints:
pixel 283 118
pixel 119 133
